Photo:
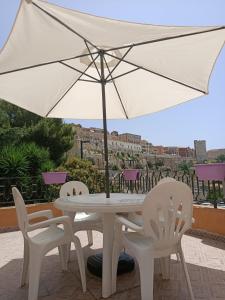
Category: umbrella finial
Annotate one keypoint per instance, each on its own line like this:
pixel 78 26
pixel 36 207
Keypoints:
pixel 28 1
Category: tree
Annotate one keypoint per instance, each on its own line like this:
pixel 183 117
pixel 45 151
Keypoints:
pixel 158 164
pixel 16 116
pixel 220 158
pixel 185 166
pixel 53 135
pixel 20 126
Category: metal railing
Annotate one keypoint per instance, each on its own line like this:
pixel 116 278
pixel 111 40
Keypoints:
pixel 35 191
pixel 203 191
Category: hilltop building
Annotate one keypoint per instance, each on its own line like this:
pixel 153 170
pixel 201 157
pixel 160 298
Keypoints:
pixel 128 146
pixel 200 150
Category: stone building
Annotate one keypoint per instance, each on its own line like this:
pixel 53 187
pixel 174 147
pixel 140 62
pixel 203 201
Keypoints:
pixel 200 150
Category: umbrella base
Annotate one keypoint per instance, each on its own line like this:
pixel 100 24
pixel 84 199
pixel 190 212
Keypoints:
pixel 125 264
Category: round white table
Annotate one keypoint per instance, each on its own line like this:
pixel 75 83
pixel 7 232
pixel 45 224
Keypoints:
pixel 108 207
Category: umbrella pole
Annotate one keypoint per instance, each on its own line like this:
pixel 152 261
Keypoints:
pixel 103 83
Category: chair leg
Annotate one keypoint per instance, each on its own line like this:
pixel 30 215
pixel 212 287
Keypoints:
pixel 115 258
pixel 117 246
pixel 146 266
pixel 80 258
pixel 90 238
pixel 34 273
pixel 165 267
pixel 186 274
pixel 63 253
pixel 24 276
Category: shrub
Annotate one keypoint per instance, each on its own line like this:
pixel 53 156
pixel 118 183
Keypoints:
pixel 38 158
pixel 24 160
pixel 83 170
pixel 13 163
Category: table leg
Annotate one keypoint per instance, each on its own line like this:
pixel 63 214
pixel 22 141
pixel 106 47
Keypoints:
pixel 108 236
pixel 72 215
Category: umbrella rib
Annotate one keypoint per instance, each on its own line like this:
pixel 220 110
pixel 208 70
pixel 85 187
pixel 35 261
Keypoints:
pixel 72 85
pixel 86 80
pixel 158 74
pixel 46 63
pixel 65 25
pixel 125 54
pixel 118 94
pixel 118 76
pixel 82 72
pixel 93 59
pixel 166 39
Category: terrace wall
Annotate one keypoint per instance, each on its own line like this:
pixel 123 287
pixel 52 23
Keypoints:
pixel 206 218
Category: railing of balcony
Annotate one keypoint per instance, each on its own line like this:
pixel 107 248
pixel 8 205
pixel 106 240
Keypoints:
pixel 35 191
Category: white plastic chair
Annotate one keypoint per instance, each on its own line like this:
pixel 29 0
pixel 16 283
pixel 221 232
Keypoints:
pixel 136 217
pixel 167 214
pixel 89 222
pixel 35 247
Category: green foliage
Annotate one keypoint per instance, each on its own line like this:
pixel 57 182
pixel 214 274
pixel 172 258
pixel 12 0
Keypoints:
pixel 53 135
pixel 220 158
pixel 21 126
pixel 138 165
pixel 159 163
pixel 13 163
pixel 24 160
pixel 83 170
pixel 185 166
pixel 115 168
pixel 150 164
pixel 38 158
pixel 16 116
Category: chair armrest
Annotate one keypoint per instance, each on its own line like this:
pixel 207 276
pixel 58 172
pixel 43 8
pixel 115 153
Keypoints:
pixel 192 219
pixel 42 213
pixel 128 223
pixel 65 220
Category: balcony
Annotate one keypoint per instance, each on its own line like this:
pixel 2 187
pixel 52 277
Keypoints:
pixel 205 257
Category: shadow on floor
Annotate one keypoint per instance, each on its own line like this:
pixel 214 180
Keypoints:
pixel 208 283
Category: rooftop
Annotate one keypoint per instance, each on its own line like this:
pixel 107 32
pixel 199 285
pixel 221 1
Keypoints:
pixel 205 259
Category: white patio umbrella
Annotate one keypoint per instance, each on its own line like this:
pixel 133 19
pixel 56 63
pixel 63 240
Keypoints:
pixel 63 63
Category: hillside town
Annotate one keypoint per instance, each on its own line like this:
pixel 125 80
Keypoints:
pixel 130 150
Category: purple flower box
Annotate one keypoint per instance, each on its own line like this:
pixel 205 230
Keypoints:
pixel 210 171
pixel 131 174
pixel 54 177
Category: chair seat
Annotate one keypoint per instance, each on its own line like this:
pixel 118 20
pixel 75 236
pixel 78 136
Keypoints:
pixel 49 235
pixel 87 222
pixel 84 217
pixel 135 218
pixel 137 240
pixel 138 219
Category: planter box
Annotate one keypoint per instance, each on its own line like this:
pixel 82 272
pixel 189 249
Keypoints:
pixel 54 177
pixel 210 171
pixel 131 174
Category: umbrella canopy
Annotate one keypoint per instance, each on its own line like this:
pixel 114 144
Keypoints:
pixel 63 63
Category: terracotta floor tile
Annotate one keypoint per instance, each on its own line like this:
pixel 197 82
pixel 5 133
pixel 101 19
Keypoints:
pixel 205 261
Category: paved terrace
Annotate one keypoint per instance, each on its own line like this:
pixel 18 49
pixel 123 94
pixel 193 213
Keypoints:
pixel 205 258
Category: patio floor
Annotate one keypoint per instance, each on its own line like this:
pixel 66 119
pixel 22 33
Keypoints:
pixel 205 258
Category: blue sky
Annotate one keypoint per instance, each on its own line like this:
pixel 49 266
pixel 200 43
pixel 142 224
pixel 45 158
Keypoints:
pixel 203 118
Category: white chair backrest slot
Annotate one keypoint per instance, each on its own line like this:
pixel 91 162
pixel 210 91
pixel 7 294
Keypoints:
pixel 167 213
pixel 73 188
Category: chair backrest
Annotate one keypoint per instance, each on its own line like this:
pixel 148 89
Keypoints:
pixel 72 188
pixel 166 179
pixel 167 213
pixel 21 210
